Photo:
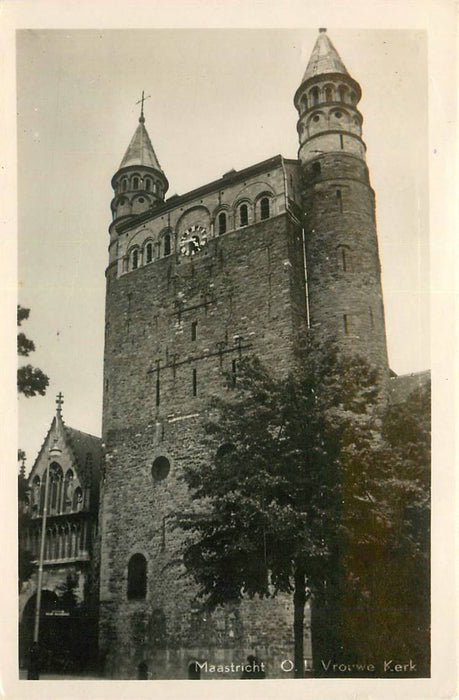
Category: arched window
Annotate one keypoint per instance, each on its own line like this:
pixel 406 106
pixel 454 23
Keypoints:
pixel 56 477
pixel 243 215
pixel 343 91
pixel 315 96
pixel 68 490
pixel 149 252
pixel 316 169
pixel 329 93
pixel 135 183
pixel 135 259
pixel 167 244
pixel 221 223
pixel 124 185
pixel 304 103
pixel 147 184
pixel 264 208
pixel 137 577
pixel 77 502
pixel 35 494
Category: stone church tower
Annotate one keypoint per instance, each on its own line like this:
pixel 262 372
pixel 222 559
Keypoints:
pixel 247 264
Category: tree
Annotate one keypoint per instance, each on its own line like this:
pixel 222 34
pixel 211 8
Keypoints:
pixel 297 496
pixel 31 380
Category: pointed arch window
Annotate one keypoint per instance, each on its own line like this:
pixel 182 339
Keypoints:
pixel 137 577
pixel 68 490
pixel 264 208
pixel 221 223
pixel 243 215
pixel 56 477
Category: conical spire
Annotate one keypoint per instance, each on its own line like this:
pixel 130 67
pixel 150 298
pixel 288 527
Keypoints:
pixel 140 151
pixel 324 58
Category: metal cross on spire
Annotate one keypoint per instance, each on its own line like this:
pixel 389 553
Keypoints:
pixel 59 402
pixel 141 101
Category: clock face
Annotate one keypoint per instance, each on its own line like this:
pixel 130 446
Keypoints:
pixel 193 240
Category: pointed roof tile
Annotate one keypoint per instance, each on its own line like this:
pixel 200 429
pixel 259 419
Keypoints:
pixel 324 58
pixel 140 151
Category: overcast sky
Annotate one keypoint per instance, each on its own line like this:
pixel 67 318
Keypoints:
pixel 220 99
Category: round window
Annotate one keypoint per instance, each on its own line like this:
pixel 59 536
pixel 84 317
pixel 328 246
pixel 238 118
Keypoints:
pixel 160 468
pixel 338 115
pixel 315 118
pixel 141 200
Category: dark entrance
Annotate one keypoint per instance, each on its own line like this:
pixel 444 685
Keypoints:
pixel 63 642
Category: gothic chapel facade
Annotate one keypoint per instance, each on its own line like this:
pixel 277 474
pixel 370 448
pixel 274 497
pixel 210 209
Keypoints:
pixel 246 264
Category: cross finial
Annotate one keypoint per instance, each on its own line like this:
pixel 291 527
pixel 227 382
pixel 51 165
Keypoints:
pixel 141 101
pixel 59 402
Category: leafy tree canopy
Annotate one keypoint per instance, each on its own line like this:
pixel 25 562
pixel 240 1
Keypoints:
pixel 30 380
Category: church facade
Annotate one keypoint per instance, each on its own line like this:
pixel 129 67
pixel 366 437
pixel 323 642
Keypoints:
pixel 248 264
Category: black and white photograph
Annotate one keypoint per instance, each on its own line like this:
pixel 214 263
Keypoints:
pixel 226 356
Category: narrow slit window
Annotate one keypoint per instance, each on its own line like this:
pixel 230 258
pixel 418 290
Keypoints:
pixel 158 387
pixel 341 141
pixel 195 383
pixel 346 323
pixel 194 330
pixel 339 200
pixel 234 372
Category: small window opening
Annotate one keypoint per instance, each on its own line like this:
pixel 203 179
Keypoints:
pixel 141 200
pixel 124 186
pixel 346 323
pixel 147 185
pixel 160 468
pixel 372 321
pixel 135 183
pixel 135 259
pixel 315 118
pixel 194 329
pixel 316 169
pixel 234 372
pixel 315 95
pixel 195 383
pixel 221 223
pixel 167 244
pixel 264 208
pixel 341 141
pixel 243 215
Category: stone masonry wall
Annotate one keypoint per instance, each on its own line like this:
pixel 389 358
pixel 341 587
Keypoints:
pixel 245 295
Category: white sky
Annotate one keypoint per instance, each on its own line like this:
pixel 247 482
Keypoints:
pixel 219 99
